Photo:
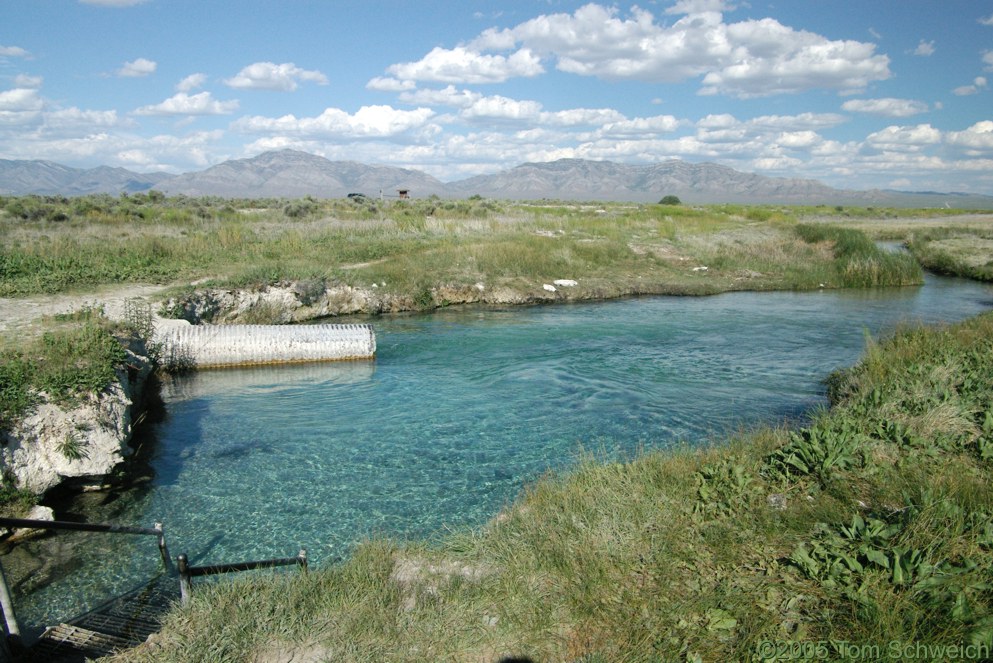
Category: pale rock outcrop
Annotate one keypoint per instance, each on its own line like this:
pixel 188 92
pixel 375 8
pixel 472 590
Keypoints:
pixel 280 304
pixel 301 301
pixel 86 440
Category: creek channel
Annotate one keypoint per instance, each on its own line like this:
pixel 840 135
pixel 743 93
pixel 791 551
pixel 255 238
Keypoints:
pixel 459 411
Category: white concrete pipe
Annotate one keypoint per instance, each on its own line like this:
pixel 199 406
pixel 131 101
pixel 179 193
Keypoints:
pixel 203 346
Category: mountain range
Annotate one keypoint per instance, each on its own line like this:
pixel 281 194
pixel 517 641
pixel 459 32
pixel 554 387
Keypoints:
pixel 292 174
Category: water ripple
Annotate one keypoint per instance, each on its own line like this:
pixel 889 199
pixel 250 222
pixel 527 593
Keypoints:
pixel 459 410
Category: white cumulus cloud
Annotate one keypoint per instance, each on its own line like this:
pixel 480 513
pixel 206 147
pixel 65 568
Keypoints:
pixel 799 122
pixel 67 121
pixel 798 139
pixel 367 122
pixel 463 65
pixel 607 117
pixel 925 48
pixel 186 104
pixel 773 139
pixel 270 76
pixel 976 139
pixel 191 82
pixel 137 68
pixel 978 83
pixel 904 139
pixel 13 52
pixel 779 163
pixel 746 59
pixel 23 80
pixel 448 96
pixel 640 126
pixel 503 108
pixel 887 107
pixel 388 84
pixel 770 58
pixel 20 100
pixel 699 7
pixel 717 121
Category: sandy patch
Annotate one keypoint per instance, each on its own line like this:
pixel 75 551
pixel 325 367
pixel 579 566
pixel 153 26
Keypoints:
pixel 20 314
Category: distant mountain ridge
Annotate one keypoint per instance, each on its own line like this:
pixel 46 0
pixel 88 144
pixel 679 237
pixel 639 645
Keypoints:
pixel 292 174
pixel 606 180
pixel 50 178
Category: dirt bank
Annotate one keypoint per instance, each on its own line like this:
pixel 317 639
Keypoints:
pixel 22 314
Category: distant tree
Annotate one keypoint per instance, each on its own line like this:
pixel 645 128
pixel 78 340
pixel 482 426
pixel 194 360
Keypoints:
pixel 670 200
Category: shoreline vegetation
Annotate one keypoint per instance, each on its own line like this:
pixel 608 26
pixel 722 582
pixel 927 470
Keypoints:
pixel 872 525
pixel 868 531
pixel 409 248
pixel 329 257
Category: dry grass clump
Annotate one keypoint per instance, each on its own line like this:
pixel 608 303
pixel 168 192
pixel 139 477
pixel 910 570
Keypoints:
pixel 956 251
pixel 57 245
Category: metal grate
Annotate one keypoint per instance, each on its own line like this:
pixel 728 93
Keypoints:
pixel 135 630
pixel 124 622
pixel 66 643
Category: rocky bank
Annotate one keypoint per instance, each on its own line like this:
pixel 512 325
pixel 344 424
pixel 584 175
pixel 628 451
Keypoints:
pixel 82 442
pixel 302 301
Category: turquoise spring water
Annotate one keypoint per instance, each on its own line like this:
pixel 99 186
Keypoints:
pixel 460 409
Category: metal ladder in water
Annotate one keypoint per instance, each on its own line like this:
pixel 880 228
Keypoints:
pixel 123 622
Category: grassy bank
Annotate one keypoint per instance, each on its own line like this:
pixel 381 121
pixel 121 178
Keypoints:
pixel 407 247
pixel 868 530
pixel 77 356
pixel 955 251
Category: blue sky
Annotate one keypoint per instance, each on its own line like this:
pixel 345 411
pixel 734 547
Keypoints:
pixel 858 94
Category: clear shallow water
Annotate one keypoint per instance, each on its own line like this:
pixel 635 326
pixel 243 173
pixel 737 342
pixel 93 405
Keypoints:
pixel 458 411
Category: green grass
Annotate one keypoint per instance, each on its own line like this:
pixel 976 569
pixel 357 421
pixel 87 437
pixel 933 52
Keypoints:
pixel 56 244
pixel 78 356
pixel 871 525
pixel 858 262
pixel 871 213
pixel 16 503
pixel 955 251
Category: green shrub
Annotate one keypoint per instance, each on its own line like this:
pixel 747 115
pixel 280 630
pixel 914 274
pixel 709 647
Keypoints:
pixel 16 382
pixel 78 362
pixel 858 262
pixel 72 447
pixel 14 502
pixel 821 451
pixel 68 363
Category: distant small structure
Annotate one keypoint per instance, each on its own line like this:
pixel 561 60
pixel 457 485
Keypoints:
pixel 403 193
